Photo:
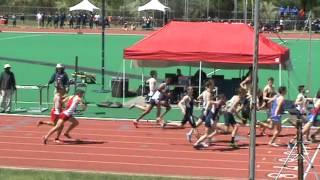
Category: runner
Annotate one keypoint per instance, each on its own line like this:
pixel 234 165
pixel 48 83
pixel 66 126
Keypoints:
pixel 154 101
pixel 277 108
pixel 58 101
pixel 312 121
pixel 212 119
pixel 186 105
pixel 268 94
pixel 232 109
pixel 56 110
pixel 205 97
pixel 67 115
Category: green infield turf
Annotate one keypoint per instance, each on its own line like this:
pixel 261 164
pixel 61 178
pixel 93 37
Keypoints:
pixel 12 174
pixel 33 57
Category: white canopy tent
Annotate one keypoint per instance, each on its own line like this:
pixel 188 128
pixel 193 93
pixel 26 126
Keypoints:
pixel 153 5
pixel 84 5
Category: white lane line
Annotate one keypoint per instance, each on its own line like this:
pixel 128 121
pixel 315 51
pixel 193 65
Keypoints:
pixel 142 149
pixel 109 134
pixel 20 37
pixel 124 163
pixel 130 156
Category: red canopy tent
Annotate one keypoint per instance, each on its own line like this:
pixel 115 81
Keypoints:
pixel 221 45
pixel 218 45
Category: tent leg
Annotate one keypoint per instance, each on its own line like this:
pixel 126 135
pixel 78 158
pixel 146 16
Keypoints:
pixel 280 74
pixel 123 80
pixel 142 82
pixel 200 77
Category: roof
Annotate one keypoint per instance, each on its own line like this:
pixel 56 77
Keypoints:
pixel 217 44
pixel 84 5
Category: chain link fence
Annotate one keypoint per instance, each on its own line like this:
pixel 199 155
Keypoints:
pixel 122 18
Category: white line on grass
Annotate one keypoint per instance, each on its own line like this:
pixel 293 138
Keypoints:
pixel 20 37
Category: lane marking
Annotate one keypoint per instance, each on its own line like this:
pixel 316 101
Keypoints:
pixel 20 37
pixel 130 156
pixel 124 163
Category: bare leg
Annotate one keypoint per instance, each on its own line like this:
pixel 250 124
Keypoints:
pixel 52 130
pixel 74 123
pixel 233 135
pixel 276 132
pixel 203 137
pixel 59 132
pixel 147 111
pixel 143 108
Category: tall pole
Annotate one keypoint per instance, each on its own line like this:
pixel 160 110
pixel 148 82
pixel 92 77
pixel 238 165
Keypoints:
pixel 252 170
pixel 103 43
pixel 245 11
pixel 310 57
pixel 208 8
pixel 300 150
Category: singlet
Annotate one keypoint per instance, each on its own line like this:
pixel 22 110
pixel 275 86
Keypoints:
pixel 302 108
pixel 230 104
pixel 152 85
pixel 205 98
pixel 274 106
pixel 189 106
pixel 72 105
pixel 316 110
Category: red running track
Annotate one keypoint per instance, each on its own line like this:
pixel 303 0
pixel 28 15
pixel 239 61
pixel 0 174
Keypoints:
pixel 116 146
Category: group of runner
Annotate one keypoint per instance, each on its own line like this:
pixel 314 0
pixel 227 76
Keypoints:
pixel 64 108
pixel 236 111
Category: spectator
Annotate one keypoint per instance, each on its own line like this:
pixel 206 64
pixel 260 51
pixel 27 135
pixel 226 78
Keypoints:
pixel 60 77
pixel 7 87
pixel 39 17
pixel 78 21
pixel 96 19
pixel 56 20
pixel 22 18
pixel 91 20
pixel 62 19
pixel 43 19
pixel 49 20
pixel 14 20
pixel 71 21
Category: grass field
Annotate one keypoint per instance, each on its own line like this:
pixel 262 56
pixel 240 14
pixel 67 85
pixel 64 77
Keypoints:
pixel 11 174
pixel 33 57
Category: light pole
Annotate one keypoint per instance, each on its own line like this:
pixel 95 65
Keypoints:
pixel 252 170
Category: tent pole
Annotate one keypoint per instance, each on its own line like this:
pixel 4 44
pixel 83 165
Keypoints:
pixel 123 80
pixel 142 81
pixel 200 77
pixel 252 154
pixel 280 74
pixel 310 57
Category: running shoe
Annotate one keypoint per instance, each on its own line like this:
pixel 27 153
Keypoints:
pixel 44 140
pixel 57 140
pixel 234 145
pixel 67 135
pixel 274 144
pixel 290 145
pixel 197 146
pixel 205 145
pixel 135 123
pixel 189 137
pixel 39 123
